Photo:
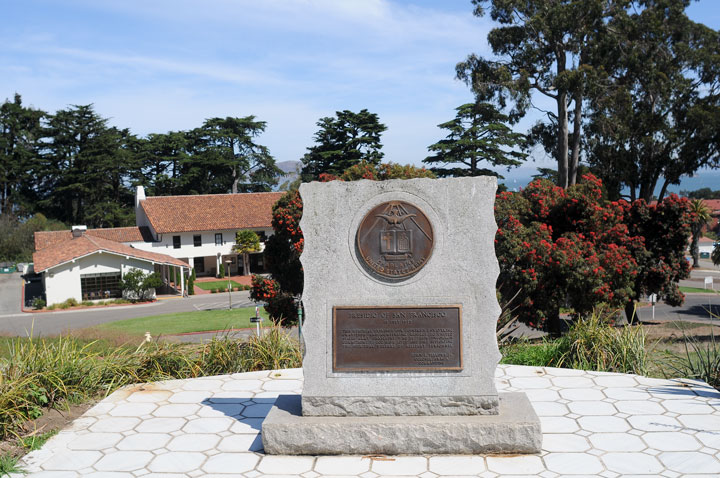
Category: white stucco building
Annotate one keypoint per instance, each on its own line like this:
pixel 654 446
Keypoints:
pixel 173 234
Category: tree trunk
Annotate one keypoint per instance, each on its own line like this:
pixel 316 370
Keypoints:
pixel 235 180
pixel 562 139
pixel 694 248
pixel 663 190
pixel 575 151
pixel 630 314
pixel 246 264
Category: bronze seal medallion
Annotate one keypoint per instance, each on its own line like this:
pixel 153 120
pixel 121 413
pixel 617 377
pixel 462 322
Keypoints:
pixel 395 240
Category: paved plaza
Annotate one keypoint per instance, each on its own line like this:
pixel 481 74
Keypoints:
pixel 594 424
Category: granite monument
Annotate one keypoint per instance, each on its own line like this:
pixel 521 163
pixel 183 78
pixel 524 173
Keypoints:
pixel 400 310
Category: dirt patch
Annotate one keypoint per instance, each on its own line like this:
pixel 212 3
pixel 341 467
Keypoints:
pixel 52 419
pixel 671 336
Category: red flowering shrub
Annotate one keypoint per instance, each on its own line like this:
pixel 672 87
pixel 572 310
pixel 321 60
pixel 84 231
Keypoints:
pixel 569 247
pixel 282 256
pixel 666 229
pixel 263 289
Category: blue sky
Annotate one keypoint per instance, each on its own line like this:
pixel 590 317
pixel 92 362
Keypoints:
pixel 161 65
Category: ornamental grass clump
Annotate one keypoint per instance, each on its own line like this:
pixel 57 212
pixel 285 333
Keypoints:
pixel 592 343
pixel 699 360
pixel 42 373
pixel 272 350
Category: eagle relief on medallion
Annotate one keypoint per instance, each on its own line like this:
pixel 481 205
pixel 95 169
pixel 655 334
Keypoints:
pixel 395 240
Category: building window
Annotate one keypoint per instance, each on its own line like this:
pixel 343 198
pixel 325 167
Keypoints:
pixel 218 239
pixel 199 265
pixel 197 240
pixel 100 286
pixel 176 242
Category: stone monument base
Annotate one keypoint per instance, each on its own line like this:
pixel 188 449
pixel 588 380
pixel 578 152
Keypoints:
pixel 516 429
pixel 394 406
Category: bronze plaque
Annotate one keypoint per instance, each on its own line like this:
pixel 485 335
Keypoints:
pixel 419 338
pixel 395 240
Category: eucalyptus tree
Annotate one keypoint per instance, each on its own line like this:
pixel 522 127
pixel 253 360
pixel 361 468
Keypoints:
pixel 546 48
pixel 656 116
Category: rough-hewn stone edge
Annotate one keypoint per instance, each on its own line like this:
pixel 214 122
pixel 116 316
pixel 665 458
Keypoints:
pixel 515 430
pixel 320 406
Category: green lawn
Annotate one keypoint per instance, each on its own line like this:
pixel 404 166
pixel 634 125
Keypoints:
pixel 217 284
pixel 182 322
pixel 696 289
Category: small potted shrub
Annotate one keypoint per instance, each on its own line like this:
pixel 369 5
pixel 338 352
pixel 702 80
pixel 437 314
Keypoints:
pixel 38 303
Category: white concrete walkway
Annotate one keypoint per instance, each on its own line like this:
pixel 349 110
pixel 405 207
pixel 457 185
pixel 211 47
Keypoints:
pixel 594 424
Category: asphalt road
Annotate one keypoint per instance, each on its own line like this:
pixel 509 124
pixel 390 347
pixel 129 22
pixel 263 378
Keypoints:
pixel 697 308
pixel 54 323
pixel 10 293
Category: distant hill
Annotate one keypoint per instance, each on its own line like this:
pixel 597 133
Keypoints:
pixel 289 166
pixel 290 170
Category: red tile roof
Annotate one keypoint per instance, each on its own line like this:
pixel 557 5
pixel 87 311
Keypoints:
pixel 77 247
pixel 210 212
pixel 44 239
pixel 713 204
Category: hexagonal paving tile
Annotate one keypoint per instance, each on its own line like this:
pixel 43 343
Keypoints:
pixel 400 466
pixel 149 396
pixel 95 441
pixel 592 407
pixel 208 425
pixel 516 465
pixel 550 409
pixel 690 462
pixel 255 411
pixel 194 442
pixel 573 463
pixel 671 441
pixel 640 407
pixel 558 425
pixel 144 441
pixel 635 463
pixel 72 460
pixel 241 443
pixel 283 386
pixel 617 442
pixel 221 410
pixel 203 384
pixel 247 425
pixel 342 465
pixel 132 409
pixel 603 424
pixel 189 397
pixel 564 442
pixel 161 425
pixel 124 461
pixel 115 424
pixel 242 385
pixel 177 462
pixel 237 462
pixel 176 410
